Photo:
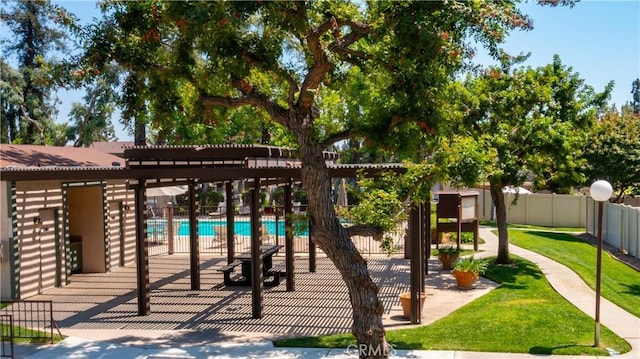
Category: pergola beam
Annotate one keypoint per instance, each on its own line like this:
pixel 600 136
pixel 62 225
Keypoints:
pixel 180 175
pixel 159 166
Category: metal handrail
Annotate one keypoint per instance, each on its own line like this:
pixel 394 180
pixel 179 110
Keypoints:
pixel 31 318
pixel 6 325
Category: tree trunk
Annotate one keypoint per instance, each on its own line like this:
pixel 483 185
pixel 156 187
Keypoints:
pixel 333 239
pixel 140 135
pixel 501 220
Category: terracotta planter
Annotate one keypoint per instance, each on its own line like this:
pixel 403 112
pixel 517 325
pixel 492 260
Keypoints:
pixel 405 301
pixel 447 260
pixel 465 280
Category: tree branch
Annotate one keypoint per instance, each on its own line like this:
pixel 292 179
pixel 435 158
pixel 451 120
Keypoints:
pixel 358 31
pixel 250 96
pixel 354 57
pixel 318 70
pixel 321 64
pixel 346 134
pixel 366 231
pixel 417 184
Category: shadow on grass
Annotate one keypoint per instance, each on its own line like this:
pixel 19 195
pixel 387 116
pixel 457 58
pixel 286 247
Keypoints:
pixel 337 341
pixel 558 236
pixel 633 289
pixel 507 274
pixel 566 349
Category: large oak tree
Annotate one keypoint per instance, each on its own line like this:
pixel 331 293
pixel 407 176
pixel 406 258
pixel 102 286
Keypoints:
pixel 384 62
pixel 37 31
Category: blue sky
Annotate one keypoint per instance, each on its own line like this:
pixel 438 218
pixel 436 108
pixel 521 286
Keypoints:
pixel 599 39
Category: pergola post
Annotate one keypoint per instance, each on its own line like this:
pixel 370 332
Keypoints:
pixel 142 250
pixel 289 249
pixel 194 245
pixel 459 224
pixel 312 250
pixel 170 227
pixel 231 248
pixel 426 236
pixel 415 264
pixel 256 253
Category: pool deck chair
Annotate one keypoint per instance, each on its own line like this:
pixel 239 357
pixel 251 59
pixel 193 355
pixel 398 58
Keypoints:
pixel 220 236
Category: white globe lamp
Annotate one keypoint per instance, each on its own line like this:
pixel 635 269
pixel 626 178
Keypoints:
pixel 601 190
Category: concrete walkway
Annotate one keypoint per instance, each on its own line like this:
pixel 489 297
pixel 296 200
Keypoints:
pixel 249 345
pixel 568 284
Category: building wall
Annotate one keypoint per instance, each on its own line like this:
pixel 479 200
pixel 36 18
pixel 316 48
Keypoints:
pixel 38 207
pixel 122 224
pixel 86 224
pixel 6 233
pixel 41 236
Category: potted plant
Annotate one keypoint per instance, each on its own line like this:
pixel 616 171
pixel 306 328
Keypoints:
pixel 467 270
pixel 405 301
pixel 447 256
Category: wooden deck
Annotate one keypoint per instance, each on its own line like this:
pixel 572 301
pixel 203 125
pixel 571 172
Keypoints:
pixel 319 305
pixel 104 305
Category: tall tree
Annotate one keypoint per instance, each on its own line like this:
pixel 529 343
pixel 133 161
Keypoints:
pixel 532 123
pixel 37 31
pixel 386 61
pixel 613 150
pixel 635 92
pixel 11 88
pixel 91 120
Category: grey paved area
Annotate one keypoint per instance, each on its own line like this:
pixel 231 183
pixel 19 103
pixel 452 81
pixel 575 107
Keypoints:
pixel 98 311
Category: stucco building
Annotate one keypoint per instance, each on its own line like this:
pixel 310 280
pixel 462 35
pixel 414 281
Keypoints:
pixel 51 229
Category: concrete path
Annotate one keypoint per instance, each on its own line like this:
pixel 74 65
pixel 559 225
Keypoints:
pixel 246 345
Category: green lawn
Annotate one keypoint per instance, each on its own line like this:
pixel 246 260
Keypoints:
pixel 33 336
pixel 620 283
pixel 36 337
pixel 532 227
pixel 523 315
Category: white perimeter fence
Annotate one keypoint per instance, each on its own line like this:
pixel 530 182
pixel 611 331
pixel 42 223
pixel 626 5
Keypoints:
pixel 621 223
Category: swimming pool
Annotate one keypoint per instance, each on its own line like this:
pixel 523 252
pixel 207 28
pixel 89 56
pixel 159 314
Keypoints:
pixel 205 227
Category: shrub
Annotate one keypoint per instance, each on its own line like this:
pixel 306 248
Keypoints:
pixel 446 250
pixel 470 264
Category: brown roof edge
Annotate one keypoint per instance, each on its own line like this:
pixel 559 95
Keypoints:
pixel 212 152
pixel 206 174
pixel 46 156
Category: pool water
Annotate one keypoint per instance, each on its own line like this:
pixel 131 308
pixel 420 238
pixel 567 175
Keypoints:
pixel 205 227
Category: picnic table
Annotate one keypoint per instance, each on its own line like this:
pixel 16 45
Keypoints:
pixel 244 260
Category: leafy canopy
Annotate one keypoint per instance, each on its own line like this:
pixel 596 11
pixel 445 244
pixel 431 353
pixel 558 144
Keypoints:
pixel 613 152
pixel 528 122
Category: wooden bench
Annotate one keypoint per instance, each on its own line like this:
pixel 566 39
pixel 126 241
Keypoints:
pixel 278 269
pixel 226 270
pixel 276 272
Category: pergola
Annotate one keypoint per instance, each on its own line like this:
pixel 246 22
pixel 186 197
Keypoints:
pixel 157 166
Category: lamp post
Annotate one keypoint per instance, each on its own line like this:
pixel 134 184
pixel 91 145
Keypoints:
pixel 600 191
